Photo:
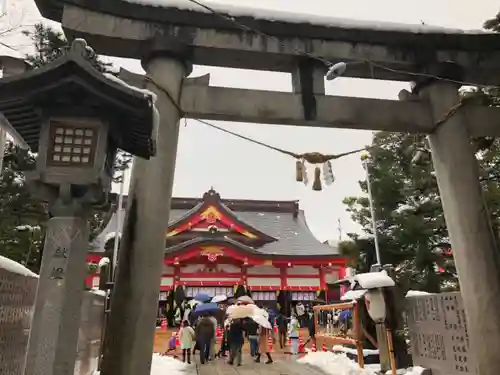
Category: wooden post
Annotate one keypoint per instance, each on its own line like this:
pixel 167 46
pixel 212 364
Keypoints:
pixel 391 351
pixel 358 336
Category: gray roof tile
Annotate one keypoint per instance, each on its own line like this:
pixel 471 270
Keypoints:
pixel 293 235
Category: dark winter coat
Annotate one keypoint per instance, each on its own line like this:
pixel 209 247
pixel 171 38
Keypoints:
pixel 281 322
pixel 205 329
pixel 312 327
pixel 236 331
pixel 251 327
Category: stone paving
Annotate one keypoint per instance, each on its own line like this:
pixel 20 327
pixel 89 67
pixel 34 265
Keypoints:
pixel 283 365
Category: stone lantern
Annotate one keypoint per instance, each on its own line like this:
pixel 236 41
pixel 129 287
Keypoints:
pixel 75 118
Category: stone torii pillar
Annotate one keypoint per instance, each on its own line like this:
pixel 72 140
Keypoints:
pixel 474 243
pixel 130 333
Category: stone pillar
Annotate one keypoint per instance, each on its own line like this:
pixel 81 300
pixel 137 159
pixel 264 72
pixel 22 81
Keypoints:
pixel 56 321
pixel 473 241
pixel 134 302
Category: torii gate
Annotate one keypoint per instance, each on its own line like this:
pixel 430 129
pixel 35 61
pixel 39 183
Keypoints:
pixel 169 40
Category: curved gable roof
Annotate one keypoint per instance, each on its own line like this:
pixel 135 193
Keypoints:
pixel 212 198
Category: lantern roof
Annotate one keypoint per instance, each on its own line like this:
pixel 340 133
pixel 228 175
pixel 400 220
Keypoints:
pixel 72 86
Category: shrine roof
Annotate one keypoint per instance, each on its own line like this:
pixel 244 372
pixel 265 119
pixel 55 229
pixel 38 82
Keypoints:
pixel 294 238
pixel 281 220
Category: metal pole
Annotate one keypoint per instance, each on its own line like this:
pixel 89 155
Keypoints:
pixel 372 211
pixel 118 224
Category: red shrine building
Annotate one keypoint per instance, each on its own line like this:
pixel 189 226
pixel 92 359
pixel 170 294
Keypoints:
pixel 213 245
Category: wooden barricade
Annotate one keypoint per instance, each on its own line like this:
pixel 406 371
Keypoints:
pixel 333 336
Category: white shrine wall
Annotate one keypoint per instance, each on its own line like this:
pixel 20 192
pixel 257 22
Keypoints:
pixel 267 281
pixel 302 270
pixel 167 281
pixel 299 281
pixel 263 270
pixel 168 269
pixel 211 280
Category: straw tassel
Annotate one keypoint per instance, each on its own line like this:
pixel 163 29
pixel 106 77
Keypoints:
pixel 299 173
pixel 305 177
pixel 317 179
pixel 328 173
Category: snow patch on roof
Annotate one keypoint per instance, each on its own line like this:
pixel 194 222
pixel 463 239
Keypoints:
pixel 373 280
pixel 15 267
pixel 417 293
pixel 283 16
pixel 353 295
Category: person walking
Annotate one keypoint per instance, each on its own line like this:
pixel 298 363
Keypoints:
pixel 225 339
pixel 301 311
pixel 272 321
pixel 204 334
pixel 236 341
pixel 311 326
pixel 213 319
pixel 293 333
pixel 282 328
pixel 264 335
pixel 186 337
pixel 252 328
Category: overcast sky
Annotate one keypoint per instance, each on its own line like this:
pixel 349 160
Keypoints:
pixel 237 169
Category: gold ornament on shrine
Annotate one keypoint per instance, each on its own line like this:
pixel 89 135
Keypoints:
pixel 323 167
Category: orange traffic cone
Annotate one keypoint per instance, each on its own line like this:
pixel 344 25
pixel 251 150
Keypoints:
pixel 270 343
pixel 313 348
pixel 217 332
pixel 275 328
pixel 323 348
pixel 177 339
pixel 301 345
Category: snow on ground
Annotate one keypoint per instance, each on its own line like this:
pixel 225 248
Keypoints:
pixel 417 370
pixel 339 364
pixel 163 365
pixel 344 349
pixel 14 267
pixel 334 364
pixel 283 16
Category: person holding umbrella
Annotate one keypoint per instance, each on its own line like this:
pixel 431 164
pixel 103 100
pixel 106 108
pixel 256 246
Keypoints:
pixel 236 341
pixel 204 333
pixel 261 317
pixel 264 335
pixel 252 330
pixel 213 319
